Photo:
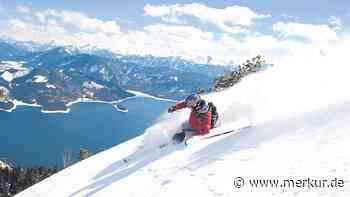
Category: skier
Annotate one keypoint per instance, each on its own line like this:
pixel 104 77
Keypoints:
pixel 203 117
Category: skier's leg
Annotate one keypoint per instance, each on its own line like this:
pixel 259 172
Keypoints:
pixel 186 132
pixel 189 131
pixel 179 137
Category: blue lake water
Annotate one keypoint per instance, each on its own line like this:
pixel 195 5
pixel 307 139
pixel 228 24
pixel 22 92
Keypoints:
pixel 29 137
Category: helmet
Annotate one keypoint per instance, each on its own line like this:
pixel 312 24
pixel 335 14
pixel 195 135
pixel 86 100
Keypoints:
pixel 192 100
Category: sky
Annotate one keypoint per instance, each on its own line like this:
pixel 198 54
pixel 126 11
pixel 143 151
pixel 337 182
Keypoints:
pixel 228 31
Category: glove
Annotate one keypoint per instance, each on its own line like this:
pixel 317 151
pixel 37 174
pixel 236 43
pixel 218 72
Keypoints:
pixel 171 109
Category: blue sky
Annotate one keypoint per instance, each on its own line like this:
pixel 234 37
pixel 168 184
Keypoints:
pixel 312 11
pixel 175 27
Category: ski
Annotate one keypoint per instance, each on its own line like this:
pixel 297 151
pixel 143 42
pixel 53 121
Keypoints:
pixel 199 138
pixel 224 133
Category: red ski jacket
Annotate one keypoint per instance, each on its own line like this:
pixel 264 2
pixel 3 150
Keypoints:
pixel 202 123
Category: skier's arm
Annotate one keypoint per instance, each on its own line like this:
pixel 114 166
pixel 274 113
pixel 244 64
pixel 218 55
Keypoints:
pixel 177 106
pixel 180 105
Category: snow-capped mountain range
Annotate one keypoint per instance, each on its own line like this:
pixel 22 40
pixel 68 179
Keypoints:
pixel 67 69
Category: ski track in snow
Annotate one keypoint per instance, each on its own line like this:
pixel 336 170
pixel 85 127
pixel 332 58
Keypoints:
pixel 300 131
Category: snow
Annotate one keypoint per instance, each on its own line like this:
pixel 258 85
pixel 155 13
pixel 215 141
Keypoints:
pixel 17 70
pixel 12 64
pixel 4 93
pixel 92 84
pixel 67 50
pixel 96 85
pixel 6 65
pixel 7 76
pixel 300 113
pixel 51 86
pixel 4 165
pixel 21 73
pixel 141 94
pixel 39 79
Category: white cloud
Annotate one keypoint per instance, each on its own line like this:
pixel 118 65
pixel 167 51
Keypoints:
pixel 52 22
pixel 41 17
pixel 230 19
pixel 16 23
pixel 155 11
pixel 308 31
pixel 177 40
pixel 74 28
pixel 180 32
pixel 336 22
pixel 23 9
pixel 77 20
pixel 24 31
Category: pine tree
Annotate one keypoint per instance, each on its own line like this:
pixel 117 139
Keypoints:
pixel 233 77
pixel 83 154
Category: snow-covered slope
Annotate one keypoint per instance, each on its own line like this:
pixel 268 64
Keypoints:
pixel 301 114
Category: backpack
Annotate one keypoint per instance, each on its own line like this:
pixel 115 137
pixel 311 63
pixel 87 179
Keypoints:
pixel 214 114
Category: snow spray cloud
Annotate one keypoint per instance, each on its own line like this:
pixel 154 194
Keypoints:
pixel 310 77
pixel 164 128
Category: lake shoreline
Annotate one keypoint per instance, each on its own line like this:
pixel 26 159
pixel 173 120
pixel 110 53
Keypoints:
pixel 86 100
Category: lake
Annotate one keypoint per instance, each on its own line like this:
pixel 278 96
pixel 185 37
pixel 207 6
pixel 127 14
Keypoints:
pixel 29 137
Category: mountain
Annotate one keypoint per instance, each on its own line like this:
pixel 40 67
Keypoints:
pixel 10 52
pixel 296 143
pixel 55 76
pixel 30 45
pixel 175 63
pixel 41 79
